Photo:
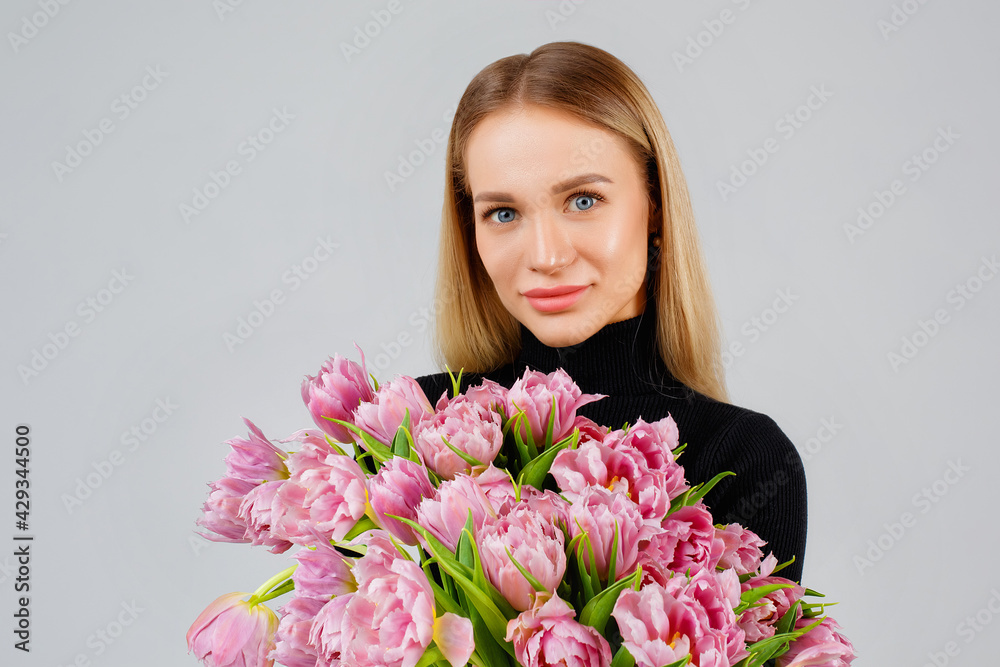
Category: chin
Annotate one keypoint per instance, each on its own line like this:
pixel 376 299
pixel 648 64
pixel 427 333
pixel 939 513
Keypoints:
pixel 554 333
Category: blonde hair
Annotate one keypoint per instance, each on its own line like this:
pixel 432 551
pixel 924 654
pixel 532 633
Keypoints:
pixel 473 329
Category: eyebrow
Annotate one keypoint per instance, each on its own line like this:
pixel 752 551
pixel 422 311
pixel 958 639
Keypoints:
pixel 556 189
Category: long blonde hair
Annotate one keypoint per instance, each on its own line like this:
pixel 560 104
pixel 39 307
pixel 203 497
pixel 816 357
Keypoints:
pixel 473 329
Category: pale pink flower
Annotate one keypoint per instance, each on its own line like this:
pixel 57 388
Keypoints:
pixel 336 496
pixel 495 482
pixel 759 621
pixel 220 513
pixel 534 392
pixel 549 504
pixel 231 631
pixel 291 641
pixel 654 441
pixel 743 548
pixel 487 393
pixel 822 646
pixel 596 464
pixel 468 426
pixel 686 541
pixel 547 634
pixel 444 515
pixel 589 429
pixel 257 510
pixel 398 489
pixel 537 545
pixel 312 452
pixel 335 392
pixel 390 619
pixel 382 416
pixel 255 459
pixel 596 512
pixel 662 624
pixel 323 573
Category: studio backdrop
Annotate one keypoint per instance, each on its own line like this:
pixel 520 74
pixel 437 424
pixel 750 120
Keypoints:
pixel 202 201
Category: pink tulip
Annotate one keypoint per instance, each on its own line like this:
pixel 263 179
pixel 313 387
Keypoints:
pixel 257 509
pixel 547 634
pixel 489 394
pixel 220 514
pixel 596 464
pixel 291 641
pixel 686 541
pixel 589 429
pixel 390 619
pixel 468 426
pixel 655 442
pixel 397 490
pixel 821 646
pixel 535 543
pixel 444 515
pixel 383 414
pixel 336 496
pixel 759 621
pixel 335 392
pixel 742 548
pixel 660 626
pixel 548 504
pixel 533 393
pixel 595 512
pixel 323 573
pixel 495 482
pixel 652 444
pixel 312 451
pixel 231 631
pixel 255 460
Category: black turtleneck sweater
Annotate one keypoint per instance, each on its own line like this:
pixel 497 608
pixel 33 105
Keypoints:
pixel 768 493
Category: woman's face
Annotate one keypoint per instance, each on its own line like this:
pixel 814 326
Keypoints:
pixel 562 221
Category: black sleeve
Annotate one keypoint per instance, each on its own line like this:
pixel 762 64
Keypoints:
pixel 768 493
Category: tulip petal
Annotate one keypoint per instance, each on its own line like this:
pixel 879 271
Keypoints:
pixel 453 636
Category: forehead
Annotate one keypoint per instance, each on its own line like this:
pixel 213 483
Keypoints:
pixel 537 146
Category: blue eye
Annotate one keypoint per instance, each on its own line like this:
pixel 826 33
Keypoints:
pixel 589 202
pixel 506 214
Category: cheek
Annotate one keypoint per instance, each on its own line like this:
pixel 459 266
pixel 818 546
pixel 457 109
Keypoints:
pixel 492 255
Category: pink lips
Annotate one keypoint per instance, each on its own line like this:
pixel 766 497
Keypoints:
pixel 548 300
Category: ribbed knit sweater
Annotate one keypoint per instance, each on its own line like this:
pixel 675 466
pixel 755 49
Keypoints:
pixel 768 493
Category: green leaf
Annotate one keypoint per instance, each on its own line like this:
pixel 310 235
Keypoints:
pixel 379 451
pixel 456 384
pixel 747 598
pixel 431 656
pixel 551 425
pixel 471 460
pixel 597 612
pixel 537 585
pixel 613 562
pixel 534 472
pixel 680 663
pixel 364 524
pixel 402 441
pixel 463 551
pixel 623 658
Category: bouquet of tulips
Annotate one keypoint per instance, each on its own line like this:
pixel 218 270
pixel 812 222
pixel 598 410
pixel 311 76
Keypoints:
pixel 494 527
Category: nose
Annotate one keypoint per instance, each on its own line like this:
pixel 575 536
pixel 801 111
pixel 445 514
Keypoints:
pixel 551 246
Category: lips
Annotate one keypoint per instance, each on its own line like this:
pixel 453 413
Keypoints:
pixel 553 299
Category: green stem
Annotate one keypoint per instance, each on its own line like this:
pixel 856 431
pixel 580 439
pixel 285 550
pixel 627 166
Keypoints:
pixel 258 594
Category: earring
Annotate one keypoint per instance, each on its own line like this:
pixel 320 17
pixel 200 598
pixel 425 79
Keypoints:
pixel 657 240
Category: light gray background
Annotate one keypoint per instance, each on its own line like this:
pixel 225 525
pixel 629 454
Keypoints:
pixel 896 430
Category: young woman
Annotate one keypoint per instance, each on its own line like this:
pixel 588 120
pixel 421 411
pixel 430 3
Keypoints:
pixel 568 240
